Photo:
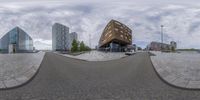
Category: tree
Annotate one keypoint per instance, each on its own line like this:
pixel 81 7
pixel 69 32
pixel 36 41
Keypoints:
pixel 82 46
pixel 74 46
pixel 87 48
pixel 139 48
pixel 173 48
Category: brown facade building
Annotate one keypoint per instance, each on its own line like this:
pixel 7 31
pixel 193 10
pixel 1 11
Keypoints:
pixel 115 37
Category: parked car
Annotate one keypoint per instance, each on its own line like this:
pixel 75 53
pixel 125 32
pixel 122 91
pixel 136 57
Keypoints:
pixel 131 52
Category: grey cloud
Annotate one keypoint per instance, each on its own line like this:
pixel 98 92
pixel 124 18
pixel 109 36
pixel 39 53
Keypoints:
pixel 88 19
pixel 193 27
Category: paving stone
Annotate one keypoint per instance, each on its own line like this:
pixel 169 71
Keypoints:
pixel 178 68
pixel 2 85
pixel 170 78
pixel 36 67
pixel 16 69
pixel 11 83
pixel 164 73
pixel 194 84
pixel 29 74
pixel 22 79
pixel 181 82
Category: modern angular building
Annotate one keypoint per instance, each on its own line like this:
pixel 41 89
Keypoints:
pixel 61 39
pixel 115 37
pixel 16 41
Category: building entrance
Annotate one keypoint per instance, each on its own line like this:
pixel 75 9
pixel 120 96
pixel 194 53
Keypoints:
pixel 12 48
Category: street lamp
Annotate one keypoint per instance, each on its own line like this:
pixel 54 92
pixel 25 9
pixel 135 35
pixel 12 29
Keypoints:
pixel 90 40
pixel 161 37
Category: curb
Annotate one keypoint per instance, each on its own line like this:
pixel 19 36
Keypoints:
pixel 91 61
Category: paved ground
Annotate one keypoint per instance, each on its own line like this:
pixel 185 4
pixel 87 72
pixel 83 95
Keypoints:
pixel 130 78
pixel 16 69
pixel 179 69
pixel 98 56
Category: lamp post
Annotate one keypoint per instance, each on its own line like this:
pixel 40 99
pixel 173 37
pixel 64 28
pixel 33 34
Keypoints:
pixel 90 41
pixel 161 48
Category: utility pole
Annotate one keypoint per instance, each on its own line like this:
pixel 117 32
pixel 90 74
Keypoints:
pixel 161 37
pixel 90 41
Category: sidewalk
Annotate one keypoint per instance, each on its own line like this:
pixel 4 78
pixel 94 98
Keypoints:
pixel 17 69
pixel 178 69
pixel 98 56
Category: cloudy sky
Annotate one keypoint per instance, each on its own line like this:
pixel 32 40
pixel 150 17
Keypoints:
pixel 180 18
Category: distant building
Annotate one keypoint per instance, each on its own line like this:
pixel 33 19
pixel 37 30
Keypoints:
pixel 115 37
pixel 73 36
pixel 16 41
pixel 173 44
pixel 61 39
pixel 157 46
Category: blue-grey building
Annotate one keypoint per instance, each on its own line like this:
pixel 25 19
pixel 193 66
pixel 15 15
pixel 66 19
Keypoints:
pixel 61 38
pixel 16 41
pixel 73 36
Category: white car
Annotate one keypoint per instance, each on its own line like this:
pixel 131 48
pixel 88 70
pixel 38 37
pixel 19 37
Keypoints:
pixel 130 52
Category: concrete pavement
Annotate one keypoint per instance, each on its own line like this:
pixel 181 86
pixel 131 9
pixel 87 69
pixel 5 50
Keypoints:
pixel 178 69
pixel 130 78
pixel 97 56
pixel 17 69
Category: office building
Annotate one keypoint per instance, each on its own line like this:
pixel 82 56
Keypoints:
pixel 61 38
pixel 115 37
pixel 157 46
pixel 16 41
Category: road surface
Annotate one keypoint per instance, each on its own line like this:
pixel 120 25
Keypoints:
pixel 130 78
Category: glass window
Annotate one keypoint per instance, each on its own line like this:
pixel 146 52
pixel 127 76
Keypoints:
pixel 13 37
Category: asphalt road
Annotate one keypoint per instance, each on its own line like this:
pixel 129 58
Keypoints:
pixel 130 78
